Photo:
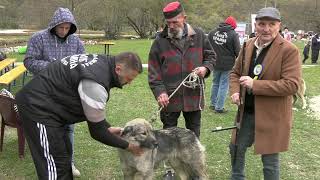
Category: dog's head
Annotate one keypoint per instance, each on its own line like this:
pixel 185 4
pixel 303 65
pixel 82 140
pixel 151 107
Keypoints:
pixel 139 131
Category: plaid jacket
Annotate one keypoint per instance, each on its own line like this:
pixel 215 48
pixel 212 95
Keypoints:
pixel 169 64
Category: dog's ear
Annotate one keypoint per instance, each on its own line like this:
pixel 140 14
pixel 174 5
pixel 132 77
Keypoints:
pixel 127 130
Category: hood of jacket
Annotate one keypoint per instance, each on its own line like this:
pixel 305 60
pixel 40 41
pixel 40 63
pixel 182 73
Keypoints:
pixel 63 15
pixel 224 27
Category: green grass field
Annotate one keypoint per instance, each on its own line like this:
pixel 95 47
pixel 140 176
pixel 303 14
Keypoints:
pixel 97 161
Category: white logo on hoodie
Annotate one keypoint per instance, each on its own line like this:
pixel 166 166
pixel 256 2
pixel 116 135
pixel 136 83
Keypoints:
pixel 82 59
pixel 220 37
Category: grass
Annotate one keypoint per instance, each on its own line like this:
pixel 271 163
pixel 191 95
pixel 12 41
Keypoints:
pixel 97 161
pixel 141 47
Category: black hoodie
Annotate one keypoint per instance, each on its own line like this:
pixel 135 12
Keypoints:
pixel 226 44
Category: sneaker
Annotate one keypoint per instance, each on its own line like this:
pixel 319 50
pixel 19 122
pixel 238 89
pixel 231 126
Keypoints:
pixel 221 111
pixel 169 175
pixel 75 171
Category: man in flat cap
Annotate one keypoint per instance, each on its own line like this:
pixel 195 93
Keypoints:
pixel 179 50
pixel 268 71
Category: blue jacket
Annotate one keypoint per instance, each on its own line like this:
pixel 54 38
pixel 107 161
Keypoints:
pixel 45 47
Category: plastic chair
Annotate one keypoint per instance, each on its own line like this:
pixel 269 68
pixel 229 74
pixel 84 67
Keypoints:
pixel 9 117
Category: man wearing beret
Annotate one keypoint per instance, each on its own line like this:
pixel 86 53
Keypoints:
pixel 268 69
pixel 178 50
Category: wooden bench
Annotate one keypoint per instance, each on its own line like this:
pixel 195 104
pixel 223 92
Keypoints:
pixel 8 77
pixel 5 64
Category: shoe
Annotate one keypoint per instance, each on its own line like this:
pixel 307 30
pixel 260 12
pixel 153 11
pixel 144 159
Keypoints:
pixel 75 171
pixel 169 175
pixel 212 107
pixel 221 111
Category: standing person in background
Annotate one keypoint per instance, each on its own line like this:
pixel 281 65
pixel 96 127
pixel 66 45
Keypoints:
pixel 158 32
pixel 55 42
pixel 306 50
pixel 179 50
pixel 315 47
pixel 286 34
pixel 225 42
pixel 269 72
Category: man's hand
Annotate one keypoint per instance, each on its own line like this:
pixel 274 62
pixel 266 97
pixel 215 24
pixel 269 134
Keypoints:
pixel 246 81
pixel 135 150
pixel 201 71
pixel 115 130
pixel 163 99
pixel 235 98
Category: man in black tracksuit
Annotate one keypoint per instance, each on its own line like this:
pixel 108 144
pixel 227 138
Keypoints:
pixel 315 47
pixel 225 42
pixel 68 91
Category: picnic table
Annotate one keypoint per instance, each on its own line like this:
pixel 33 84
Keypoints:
pixel 11 72
pixel 107 45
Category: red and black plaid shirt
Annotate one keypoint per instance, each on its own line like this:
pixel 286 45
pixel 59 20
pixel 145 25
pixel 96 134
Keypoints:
pixel 169 64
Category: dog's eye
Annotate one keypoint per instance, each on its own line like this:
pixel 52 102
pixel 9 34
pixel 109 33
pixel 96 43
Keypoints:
pixel 144 133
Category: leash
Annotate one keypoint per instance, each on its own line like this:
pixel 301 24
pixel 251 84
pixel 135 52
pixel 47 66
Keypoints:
pixel 191 81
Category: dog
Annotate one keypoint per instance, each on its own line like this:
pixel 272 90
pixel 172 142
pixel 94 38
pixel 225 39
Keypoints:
pixel 300 94
pixel 178 146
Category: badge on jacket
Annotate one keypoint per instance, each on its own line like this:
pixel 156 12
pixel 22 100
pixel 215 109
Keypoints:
pixel 257 71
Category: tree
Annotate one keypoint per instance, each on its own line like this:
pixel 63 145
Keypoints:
pixel 145 16
pixel 103 15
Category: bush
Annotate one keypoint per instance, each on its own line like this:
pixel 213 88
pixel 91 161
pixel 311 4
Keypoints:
pixel 8 25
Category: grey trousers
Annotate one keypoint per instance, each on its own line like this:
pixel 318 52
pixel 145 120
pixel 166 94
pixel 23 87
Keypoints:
pixel 245 139
pixel 70 129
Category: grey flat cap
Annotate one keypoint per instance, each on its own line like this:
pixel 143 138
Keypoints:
pixel 269 12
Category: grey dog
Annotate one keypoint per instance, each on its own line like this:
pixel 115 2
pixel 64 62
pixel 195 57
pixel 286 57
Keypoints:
pixel 178 146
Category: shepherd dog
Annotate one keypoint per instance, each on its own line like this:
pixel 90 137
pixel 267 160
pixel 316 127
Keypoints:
pixel 178 147
pixel 301 94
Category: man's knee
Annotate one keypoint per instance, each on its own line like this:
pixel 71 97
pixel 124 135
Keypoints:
pixel 270 160
pixel 237 151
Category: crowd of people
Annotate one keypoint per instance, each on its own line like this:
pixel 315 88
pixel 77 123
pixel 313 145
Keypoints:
pixel 69 87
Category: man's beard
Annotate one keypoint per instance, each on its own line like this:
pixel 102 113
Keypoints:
pixel 177 33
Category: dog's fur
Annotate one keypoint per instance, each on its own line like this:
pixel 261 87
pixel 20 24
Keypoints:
pixel 178 146
pixel 300 94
